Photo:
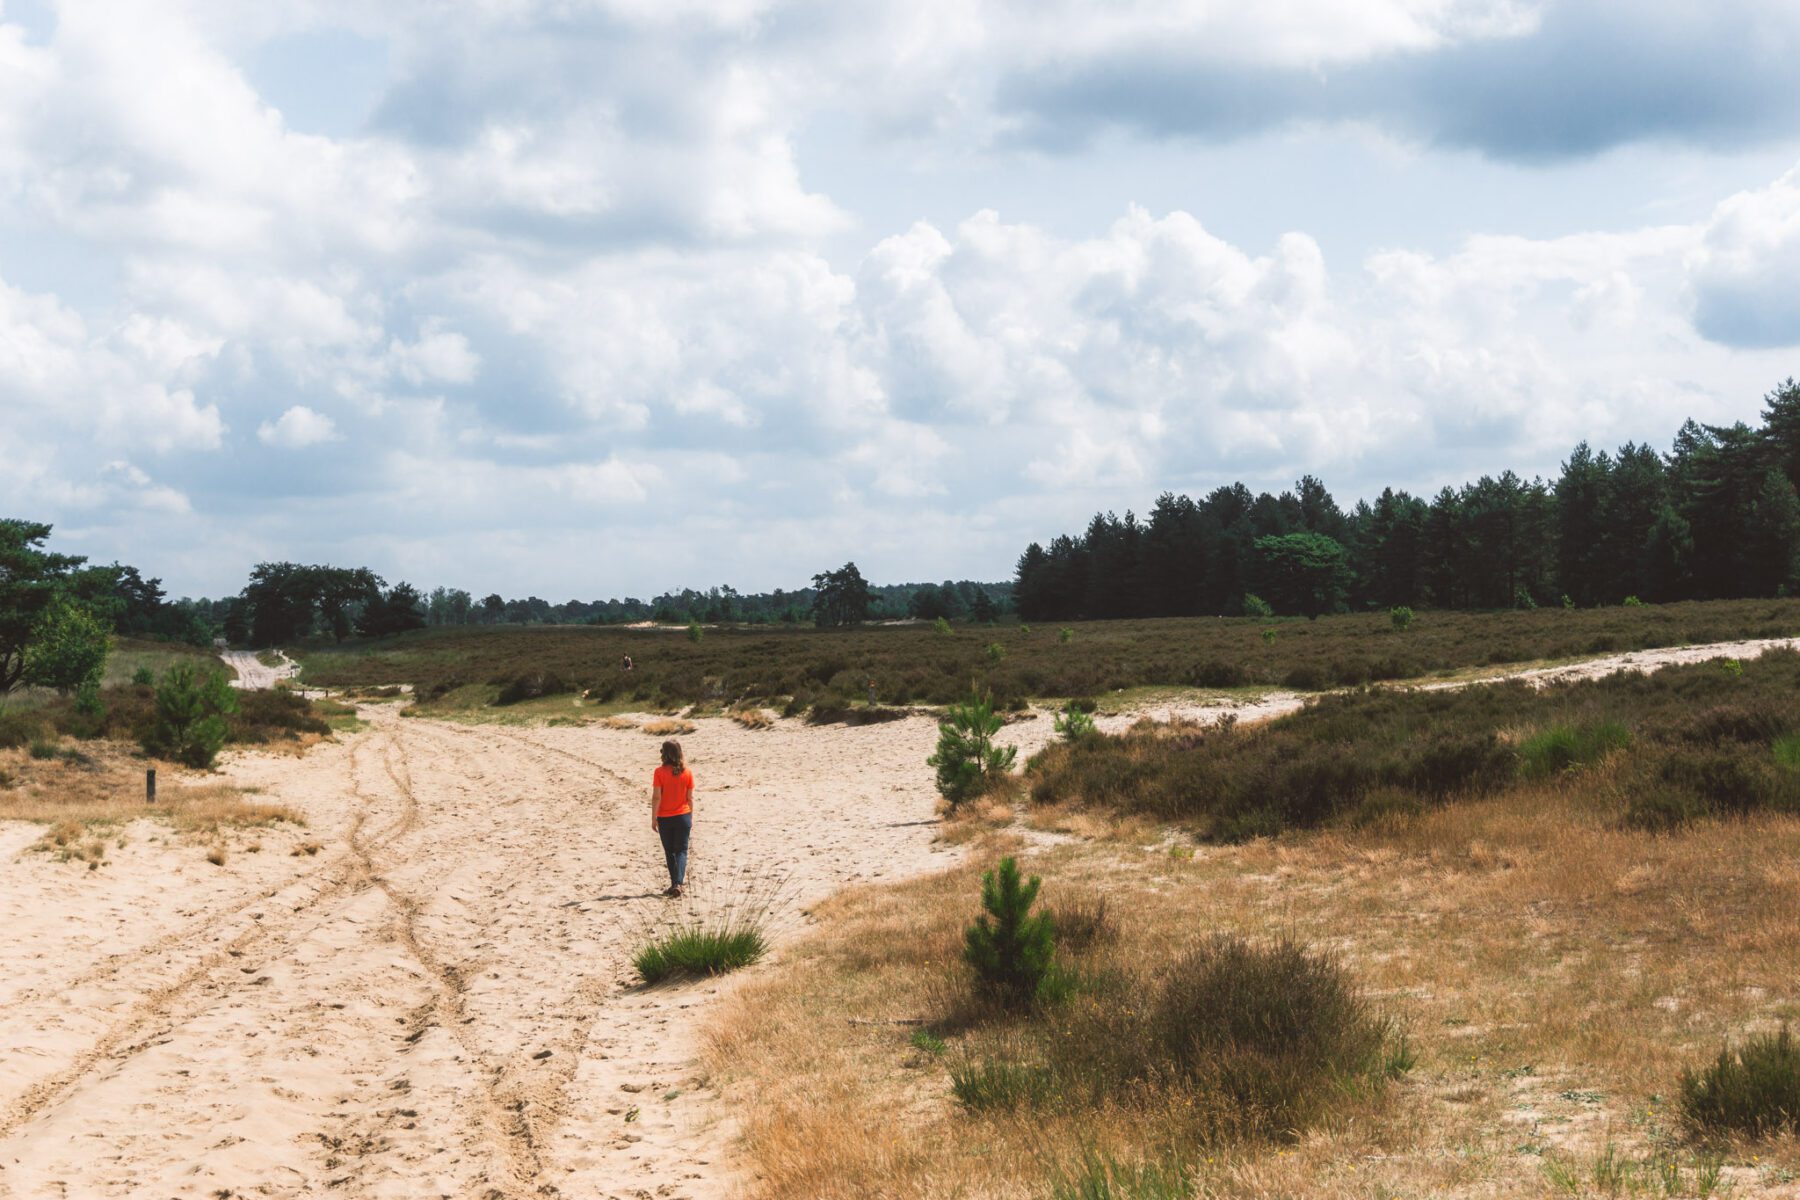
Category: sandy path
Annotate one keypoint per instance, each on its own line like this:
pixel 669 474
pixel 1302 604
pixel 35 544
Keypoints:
pixel 438 1002
pixel 252 675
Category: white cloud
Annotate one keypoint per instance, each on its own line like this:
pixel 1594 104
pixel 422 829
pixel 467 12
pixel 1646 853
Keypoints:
pixel 298 428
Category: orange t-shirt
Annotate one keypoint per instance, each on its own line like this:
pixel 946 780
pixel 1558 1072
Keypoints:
pixel 675 793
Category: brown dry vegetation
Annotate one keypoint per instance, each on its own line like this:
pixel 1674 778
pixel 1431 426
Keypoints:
pixel 1554 972
pixel 915 664
pixel 84 791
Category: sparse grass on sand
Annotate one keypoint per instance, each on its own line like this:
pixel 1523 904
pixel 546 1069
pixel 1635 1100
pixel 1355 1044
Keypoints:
pixel 85 800
pixel 668 727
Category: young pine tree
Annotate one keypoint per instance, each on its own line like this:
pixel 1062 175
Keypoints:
pixel 189 721
pixel 966 758
pixel 1010 948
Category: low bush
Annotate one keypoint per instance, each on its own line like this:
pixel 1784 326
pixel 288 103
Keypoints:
pixel 1254 1040
pixel 532 685
pixel 1084 922
pixel 1753 1089
pixel 1566 748
pixel 849 714
pixel 697 950
pixel 1700 744
pixel 19 729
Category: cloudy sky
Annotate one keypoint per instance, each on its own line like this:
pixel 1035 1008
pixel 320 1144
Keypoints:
pixel 603 297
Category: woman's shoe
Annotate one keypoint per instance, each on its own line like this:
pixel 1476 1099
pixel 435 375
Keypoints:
pixel 675 891
pixel 671 891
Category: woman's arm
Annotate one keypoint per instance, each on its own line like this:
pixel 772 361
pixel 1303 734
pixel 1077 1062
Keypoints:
pixel 653 799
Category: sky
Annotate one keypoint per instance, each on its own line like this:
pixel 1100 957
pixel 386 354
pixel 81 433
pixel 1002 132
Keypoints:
pixel 589 298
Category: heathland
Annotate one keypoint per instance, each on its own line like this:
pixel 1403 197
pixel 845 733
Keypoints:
pixel 1439 935
pixel 937 664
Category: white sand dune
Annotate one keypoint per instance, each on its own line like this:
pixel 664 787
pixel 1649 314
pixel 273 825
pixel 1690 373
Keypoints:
pixel 439 1001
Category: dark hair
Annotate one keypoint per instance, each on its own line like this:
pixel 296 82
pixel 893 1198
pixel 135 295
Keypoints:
pixel 672 756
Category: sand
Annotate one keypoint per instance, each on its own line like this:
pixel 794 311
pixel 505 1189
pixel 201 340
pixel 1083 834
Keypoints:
pixel 439 1000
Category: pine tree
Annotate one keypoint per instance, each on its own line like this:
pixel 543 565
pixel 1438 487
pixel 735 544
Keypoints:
pixel 966 757
pixel 1010 949
pixel 188 724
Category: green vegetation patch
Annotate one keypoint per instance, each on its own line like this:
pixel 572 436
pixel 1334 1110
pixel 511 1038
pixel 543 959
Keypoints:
pixel 1753 1089
pixel 1695 742
pixel 699 950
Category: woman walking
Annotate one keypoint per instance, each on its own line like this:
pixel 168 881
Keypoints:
pixel 672 811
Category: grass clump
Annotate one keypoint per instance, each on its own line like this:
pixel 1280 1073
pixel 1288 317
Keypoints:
pixel 1753 1089
pixel 668 727
pixel 986 1084
pixel 1098 1176
pixel 1565 748
pixel 697 950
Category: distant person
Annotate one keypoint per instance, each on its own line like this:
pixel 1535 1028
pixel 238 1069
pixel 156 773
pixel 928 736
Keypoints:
pixel 672 811
pixel 628 662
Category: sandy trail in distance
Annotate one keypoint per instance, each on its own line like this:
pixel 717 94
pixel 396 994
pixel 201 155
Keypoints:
pixel 252 675
pixel 437 1002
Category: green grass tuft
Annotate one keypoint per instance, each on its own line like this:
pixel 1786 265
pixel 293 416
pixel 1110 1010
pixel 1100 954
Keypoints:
pixel 694 951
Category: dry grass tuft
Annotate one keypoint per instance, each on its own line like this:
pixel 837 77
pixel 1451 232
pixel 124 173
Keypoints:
pixel 751 716
pixel 616 722
pixel 668 727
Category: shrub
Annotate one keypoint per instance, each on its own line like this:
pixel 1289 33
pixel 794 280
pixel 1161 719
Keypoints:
pixel 1065 635
pixel 1401 617
pixel 532 685
pixel 43 750
pixel 1010 948
pixel 996 653
pixel 143 677
pixel 1754 1089
pixel 188 723
pixel 1220 674
pixel 18 729
pixel 941 627
pixel 1633 602
pixel 1072 723
pixel 1787 751
pixel 697 950
pixel 1276 1029
pixel 1565 748
pixel 1305 678
pixel 1256 608
pixel 967 759
pixel 1268 636
pixel 694 632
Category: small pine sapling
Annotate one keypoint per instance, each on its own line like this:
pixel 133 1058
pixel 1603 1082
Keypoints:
pixel 1074 724
pixel 966 757
pixel 189 720
pixel 1010 948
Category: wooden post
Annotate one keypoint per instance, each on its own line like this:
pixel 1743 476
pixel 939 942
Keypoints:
pixel 150 785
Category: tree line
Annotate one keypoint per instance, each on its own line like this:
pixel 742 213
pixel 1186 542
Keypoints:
pixel 1716 517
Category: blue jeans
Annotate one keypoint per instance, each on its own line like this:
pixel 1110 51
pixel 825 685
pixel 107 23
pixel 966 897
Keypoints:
pixel 674 832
